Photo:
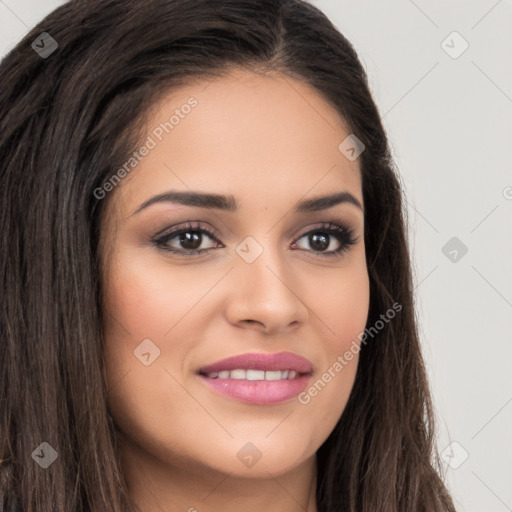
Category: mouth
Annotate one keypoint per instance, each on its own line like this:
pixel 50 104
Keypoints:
pixel 250 374
pixel 262 379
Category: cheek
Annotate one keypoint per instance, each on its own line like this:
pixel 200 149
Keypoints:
pixel 343 307
pixel 146 299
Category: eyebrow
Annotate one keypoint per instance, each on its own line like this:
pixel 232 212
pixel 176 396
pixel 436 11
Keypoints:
pixel 229 203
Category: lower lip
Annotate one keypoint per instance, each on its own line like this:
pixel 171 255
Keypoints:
pixel 258 392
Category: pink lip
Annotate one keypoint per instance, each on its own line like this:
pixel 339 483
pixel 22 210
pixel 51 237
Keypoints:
pixel 279 361
pixel 259 392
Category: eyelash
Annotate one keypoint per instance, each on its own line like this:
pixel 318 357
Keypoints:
pixel 345 236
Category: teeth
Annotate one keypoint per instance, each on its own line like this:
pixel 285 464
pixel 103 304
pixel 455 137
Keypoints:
pixel 268 375
pixel 240 374
pixel 255 375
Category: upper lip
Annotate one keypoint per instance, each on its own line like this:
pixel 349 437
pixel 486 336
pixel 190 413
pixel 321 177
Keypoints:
pixel 261 361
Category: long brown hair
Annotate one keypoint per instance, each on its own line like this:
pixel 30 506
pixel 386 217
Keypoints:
pixel 68 119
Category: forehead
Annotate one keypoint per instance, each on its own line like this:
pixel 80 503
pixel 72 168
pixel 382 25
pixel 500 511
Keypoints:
pixel 251 135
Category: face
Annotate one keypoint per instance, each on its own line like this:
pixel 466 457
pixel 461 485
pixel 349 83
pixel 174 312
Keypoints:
pixel 217 249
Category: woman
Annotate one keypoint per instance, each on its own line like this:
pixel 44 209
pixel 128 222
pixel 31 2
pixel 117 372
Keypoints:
pixel 207 298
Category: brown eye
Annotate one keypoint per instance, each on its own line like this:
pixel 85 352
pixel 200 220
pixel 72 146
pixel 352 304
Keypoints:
pixel 319 242
pixel 187 240
pixel 328 240
pixel 190 240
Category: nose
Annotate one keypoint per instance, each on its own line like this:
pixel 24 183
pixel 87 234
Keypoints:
pixel 265 296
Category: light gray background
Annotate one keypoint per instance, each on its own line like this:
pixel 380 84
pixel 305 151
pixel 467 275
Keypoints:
pixel 450 124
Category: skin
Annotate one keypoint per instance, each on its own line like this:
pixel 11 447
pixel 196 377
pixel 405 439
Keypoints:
pixel 270 141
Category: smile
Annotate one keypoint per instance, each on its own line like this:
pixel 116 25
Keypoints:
pixel 254 374
pixel 258 379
